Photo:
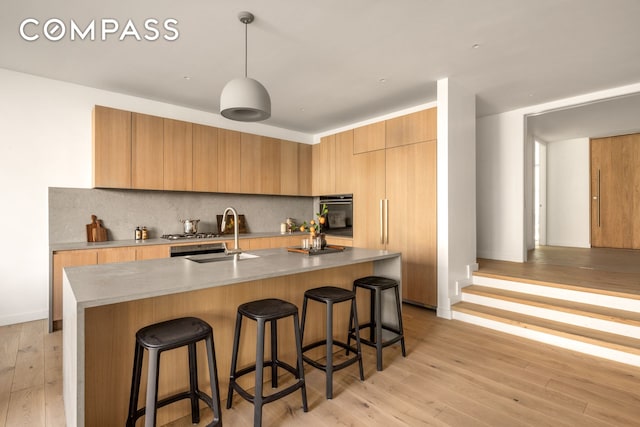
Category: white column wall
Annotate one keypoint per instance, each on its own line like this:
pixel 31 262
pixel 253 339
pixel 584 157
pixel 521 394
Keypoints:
pixel 568 204
pixel 456 192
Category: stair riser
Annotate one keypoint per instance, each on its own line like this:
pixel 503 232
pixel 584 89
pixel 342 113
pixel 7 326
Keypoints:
pixel 556 315
pixel 579 346
pixel 559 293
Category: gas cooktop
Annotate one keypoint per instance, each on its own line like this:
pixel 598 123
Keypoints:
pixel 190 236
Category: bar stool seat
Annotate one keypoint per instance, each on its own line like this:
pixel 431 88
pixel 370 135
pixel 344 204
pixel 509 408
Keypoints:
pixel 376 285
pixel 330 295
pixel 263 311
pixel 168 335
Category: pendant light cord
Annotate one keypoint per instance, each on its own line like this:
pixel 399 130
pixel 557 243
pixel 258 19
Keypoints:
pixel 246 44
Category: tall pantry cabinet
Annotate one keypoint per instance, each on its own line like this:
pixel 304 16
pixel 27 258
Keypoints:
pixel 395 197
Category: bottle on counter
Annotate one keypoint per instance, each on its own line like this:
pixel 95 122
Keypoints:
pixel 138 233
pixel 145 233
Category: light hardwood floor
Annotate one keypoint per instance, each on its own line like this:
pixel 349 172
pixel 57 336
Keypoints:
pixel 455 374
pixel 611 271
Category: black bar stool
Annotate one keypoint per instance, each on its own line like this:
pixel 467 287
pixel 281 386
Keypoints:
pixel 377 284
pixel 169 335
pixel 262 311
pixel 330 295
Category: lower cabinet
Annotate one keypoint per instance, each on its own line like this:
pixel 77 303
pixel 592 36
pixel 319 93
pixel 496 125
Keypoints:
pixel 61 260
pixel 80 257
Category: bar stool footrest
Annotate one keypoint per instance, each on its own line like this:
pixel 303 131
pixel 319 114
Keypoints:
pixel 337 367
pixel 271 397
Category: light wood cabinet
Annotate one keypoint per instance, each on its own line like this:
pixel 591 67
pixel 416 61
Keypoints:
pixel 411 128
pixel 60 261
pixel 259 164
pixel 411 218
pixel 205 158
pixel 368 200
pixel 147 157
pixel 140 151
pixel 394 204
pixel 369 138
pixel 290 173
pixel 123 254
pixel 111 129
pixel 324 166
pixel 304 169
pixel 333 164
pixel 344 162
pixel 229 172
pixel 152 252
pixel 178 155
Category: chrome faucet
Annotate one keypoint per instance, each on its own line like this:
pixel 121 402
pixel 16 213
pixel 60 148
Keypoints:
pixel 236 250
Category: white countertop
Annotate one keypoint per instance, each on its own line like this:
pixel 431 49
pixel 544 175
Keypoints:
pixel 97 285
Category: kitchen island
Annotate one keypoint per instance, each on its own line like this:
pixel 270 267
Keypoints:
pixel 105 305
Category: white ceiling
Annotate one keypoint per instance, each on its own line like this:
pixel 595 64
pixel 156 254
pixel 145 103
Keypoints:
pixel 322 61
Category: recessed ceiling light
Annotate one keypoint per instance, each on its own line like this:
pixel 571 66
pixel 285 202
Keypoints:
pixel 475 46
pixel 187 77
pixel 382 80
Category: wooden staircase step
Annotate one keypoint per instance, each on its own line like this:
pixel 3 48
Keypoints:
pixel 630 318
pixel 610 283
pixel 564 330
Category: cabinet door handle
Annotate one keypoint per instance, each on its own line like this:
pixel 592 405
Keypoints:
pixel 598 198
pixel 381 223
pixel 386 220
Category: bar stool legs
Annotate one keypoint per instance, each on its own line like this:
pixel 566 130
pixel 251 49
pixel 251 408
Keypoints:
pixel 263 311
pixel 168 335
pixel 330 295
pixel 377 284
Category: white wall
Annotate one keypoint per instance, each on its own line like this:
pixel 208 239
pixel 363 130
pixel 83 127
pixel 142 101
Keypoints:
pixel 568 204
pixel 500 176
pixel 499 186
pixel 456 191
pixel 46 131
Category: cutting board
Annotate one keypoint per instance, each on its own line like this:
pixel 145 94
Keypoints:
pixel 95 231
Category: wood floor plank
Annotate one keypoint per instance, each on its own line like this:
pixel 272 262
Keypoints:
pixel 26 408
pixel 29 370
pixel 455 374
pixel 9 343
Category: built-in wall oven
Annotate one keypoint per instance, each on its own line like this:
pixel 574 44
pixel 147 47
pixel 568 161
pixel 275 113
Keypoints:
pixel 340 217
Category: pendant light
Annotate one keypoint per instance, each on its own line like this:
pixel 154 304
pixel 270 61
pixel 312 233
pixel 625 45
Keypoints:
pixel 245 99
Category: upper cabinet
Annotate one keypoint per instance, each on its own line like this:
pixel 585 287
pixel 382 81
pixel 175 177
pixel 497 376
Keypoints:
pixel 333 164
pixel 229 161
pixel 412 128
pixel 147 152
pixel 259 164
pixel 111 148
pixel 205 158
pixel 140 151
pixel 369 138
pixel 178 155
pixel 295 168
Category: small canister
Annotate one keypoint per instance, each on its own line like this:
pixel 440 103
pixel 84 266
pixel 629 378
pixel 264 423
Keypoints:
pixel 138 233
pixel 145 233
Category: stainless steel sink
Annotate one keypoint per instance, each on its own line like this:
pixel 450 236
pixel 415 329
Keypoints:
pixel 219 257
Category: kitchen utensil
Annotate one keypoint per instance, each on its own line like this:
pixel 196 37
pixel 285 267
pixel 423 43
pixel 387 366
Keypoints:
pixel 95 231
pixel 190 225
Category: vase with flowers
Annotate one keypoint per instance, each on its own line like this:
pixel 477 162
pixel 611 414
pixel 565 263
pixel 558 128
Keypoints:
pixel 315 227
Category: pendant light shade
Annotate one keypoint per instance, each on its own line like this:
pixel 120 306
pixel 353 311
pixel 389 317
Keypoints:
pixel 245 99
